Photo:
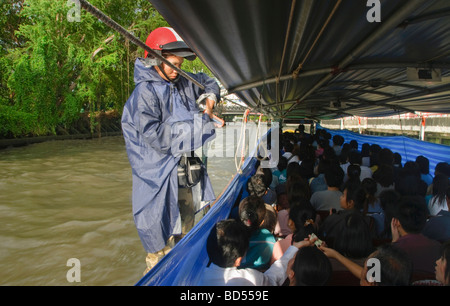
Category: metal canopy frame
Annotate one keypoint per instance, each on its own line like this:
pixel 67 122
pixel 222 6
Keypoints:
pixel 291 59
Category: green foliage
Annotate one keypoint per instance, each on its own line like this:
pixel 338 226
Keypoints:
pixel 51 69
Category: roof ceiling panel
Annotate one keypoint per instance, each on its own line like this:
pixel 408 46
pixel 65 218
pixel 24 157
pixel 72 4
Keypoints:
pixel 291 59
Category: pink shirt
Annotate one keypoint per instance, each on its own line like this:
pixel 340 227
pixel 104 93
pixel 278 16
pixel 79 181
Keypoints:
pixel 282 227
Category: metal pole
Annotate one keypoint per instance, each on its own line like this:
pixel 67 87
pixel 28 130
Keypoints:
pixel 115 26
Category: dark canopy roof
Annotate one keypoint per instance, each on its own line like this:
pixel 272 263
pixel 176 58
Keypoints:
pixel 322 59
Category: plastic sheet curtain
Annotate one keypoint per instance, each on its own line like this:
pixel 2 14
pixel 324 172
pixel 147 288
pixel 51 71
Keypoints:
pixel 408 148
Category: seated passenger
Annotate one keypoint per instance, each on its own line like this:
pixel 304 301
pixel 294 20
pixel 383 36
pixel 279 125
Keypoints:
pixel 226 246
pixel 424 166
pixel 389 200
pixel 279 175
pixel 395 266
pixel 406 227
pixel 365 154
pixel 438 200
pixel 318 183
pixel 371 206
pixel 338 141
pixel 309 267
pixel 438 227
pixel 301 221
pixel 355 158
pixel 409 181
pixel 257 186
pixel 252 211
pixel 330 198
pixel 347 232
pixel 384 176
pixel 443 265
pixel 270 219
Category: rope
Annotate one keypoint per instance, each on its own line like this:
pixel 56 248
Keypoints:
pixel 300 66
pixel 258 131
pixel 117 27
pixel 241 143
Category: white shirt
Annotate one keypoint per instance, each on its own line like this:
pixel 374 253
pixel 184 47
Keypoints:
pixel 434 206
pixel 366 172
pixel 294 158
pixel 274 276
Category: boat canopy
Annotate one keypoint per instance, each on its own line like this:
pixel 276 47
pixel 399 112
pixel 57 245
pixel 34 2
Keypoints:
pixel 322 59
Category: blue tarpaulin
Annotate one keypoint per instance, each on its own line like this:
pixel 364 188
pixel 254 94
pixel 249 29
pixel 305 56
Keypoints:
pixel 184 263
pixel 408 148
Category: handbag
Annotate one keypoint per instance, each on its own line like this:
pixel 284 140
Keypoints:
pixel 190 170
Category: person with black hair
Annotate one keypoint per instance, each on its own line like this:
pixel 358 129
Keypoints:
pixel 354 158
pixel 288 148
pixel 257 185
pixel 424 166
pixel 301 134
pixel 318 182
pixel 409 181
pixel 384 177
pixel 443 265
pixel 389 200
pixel 296 189
pixel 354 145
pixel 438 199
pixel 338 141
pixel 301 222
pixel 353 174
pixel 347 232
pixel 397 165
pixel 441 168
pixel 385 157
pixel 279 176
pixel 406 227
pixel 330 198
pixel 227 245
pixel 394 263
pixel 252 211
pixel 374 156
pixel 371 202
pixel 365 154
pixel 309 267
pixel 438 227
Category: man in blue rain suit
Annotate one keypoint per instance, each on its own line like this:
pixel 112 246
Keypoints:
pixel 161 121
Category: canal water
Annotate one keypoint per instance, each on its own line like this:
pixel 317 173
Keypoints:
pixel 72 199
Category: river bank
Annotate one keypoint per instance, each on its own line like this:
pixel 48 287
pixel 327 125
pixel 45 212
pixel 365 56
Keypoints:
pixel 105 124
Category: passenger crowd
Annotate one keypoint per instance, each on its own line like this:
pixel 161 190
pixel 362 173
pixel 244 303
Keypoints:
pixel 335 213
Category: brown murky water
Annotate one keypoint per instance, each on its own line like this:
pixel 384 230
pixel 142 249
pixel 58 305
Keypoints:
pixel 72 199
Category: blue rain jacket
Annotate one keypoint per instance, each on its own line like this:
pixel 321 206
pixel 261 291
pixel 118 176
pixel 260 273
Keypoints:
pixel 161 121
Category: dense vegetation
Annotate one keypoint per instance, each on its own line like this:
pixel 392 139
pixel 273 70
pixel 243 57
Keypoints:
pixel 60 65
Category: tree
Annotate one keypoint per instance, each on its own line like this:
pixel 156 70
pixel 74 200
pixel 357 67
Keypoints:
pixel 55 70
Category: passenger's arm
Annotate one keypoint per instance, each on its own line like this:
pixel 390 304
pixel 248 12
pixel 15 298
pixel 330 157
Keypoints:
pixel 276 274
pixel 353 267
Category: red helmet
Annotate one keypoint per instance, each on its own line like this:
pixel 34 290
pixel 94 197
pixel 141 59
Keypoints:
pixel 166 39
